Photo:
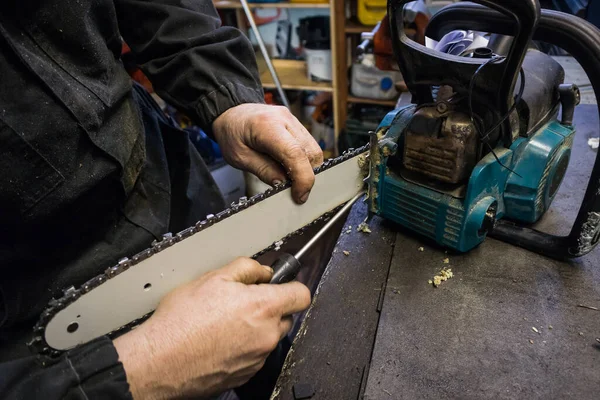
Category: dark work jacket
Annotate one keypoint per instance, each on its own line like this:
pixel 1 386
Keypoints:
pixel 90 169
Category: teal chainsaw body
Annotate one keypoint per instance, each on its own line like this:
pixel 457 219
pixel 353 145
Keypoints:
pixel 461 219
pixel 486 143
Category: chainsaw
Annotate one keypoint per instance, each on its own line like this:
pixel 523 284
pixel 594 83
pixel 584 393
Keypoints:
pixel 480 152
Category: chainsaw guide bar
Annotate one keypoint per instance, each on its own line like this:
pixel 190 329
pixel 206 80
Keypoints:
pixel 109 306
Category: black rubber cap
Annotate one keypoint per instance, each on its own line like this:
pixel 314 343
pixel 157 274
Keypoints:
pixel 285 269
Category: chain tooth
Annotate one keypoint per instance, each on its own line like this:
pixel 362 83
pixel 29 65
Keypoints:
pixel 35 341
pixel 200 225
pixel 210 220
pixel 186 233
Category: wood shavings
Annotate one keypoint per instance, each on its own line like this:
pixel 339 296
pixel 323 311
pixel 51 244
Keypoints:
pixel 446 260
pixel 533 328
pixel 444 275
pixel 580 333
pixel 598 340
pixel 421 249
pixel 530 341
pixel 549 326
pixel 349 229
pixel 363 227
pixel 362 162
pixel 346 252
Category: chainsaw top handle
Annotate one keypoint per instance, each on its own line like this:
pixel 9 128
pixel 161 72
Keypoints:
pixel 423 68
pixel 581 39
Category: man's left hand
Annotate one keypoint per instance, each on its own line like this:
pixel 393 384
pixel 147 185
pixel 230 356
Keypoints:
pixel 269 141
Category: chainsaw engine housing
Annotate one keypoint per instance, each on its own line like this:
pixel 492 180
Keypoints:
pixel 432 174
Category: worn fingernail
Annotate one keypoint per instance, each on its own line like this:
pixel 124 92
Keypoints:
pixel 276 182
pixel 304 197
pixel 268 269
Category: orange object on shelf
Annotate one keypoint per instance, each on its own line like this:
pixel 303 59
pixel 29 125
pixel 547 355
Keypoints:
pixel 269 98
pixel 382 41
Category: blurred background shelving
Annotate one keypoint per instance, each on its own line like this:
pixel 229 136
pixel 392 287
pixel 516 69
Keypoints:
pixel 346 24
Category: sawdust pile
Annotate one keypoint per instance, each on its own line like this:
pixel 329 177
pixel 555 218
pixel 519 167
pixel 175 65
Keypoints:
pixel 444 275
pixel 363 227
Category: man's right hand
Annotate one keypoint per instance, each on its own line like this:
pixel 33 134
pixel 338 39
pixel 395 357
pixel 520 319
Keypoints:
pixel 210 335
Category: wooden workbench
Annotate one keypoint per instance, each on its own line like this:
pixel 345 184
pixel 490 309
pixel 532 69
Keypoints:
pixel 378 330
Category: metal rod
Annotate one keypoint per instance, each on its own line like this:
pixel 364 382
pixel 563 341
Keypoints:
pixel 328 225
pixel 265 54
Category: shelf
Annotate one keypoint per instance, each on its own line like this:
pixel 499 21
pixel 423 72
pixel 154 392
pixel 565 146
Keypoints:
pixel 356 27
pixel 292 75
pixel 390 103
pixel 223 4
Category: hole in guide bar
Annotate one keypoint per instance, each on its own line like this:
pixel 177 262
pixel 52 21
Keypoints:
pixel 147 286
pixel 73 326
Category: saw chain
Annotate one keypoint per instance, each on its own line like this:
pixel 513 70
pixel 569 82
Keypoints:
pixel 38 345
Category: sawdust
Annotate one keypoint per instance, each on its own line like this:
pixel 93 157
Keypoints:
pixel 533 328
pixel 362 161
pixel 446 260
pixel 444 275
pixel 421 249
pixel 346 252
pixel 530 341
pixel 363 227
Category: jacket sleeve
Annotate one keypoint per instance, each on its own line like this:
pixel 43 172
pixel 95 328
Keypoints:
pixel 194 63
pixel 91 371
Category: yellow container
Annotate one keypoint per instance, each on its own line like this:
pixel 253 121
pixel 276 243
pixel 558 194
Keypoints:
pixel 370 12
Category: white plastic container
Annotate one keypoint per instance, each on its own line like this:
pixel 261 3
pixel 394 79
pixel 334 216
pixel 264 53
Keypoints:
pixel 372 83
pixel 318 64
pixel 324 135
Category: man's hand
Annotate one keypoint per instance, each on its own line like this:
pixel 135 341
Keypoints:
pixel 210 335
pixel 269 141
